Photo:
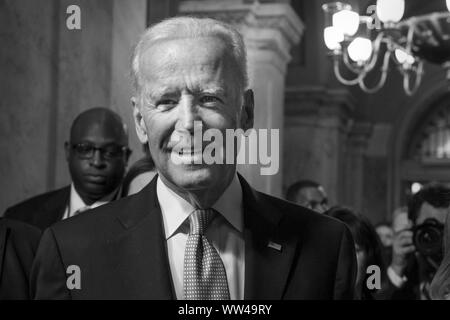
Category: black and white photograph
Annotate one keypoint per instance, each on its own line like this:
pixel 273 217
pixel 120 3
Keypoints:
pixel 225 150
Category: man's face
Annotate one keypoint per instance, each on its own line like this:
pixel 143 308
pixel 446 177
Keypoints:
pixel 99 175
pixel 313 198
pixel 428 211
pixel 187 80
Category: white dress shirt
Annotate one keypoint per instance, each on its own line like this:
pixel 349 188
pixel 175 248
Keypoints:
pixel 76 203
pixel 395 278
pixel 225 233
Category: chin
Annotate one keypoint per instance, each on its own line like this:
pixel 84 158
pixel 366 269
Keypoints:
pixel 193 177
pixel 97 190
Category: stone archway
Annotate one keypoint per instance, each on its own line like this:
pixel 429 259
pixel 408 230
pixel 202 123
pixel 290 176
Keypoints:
pixel 403 167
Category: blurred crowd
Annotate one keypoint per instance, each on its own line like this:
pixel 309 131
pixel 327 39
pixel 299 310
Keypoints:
pixel 411 251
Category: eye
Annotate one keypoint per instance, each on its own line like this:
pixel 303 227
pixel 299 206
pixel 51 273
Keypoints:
pixel 112 152
pixel 210 100
pixel 166 104
pixel 83 148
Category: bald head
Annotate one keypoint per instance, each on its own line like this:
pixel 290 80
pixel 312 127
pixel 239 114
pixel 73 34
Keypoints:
pixel 97 153
pixel 103 118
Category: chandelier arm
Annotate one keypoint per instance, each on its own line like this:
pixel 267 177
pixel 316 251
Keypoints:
pixel 438 32
pixel 376 49
pixel 410 35
pixel 341 78
pixel 383 77
pixel 418 80
pixel 348 64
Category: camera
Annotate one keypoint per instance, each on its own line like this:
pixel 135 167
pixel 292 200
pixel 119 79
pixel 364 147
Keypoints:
pixel 428 238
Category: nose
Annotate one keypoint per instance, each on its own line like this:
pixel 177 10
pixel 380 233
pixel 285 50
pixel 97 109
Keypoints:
pixel 188 114
pixel 97 159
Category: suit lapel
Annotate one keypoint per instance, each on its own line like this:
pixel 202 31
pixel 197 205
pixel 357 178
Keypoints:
pixel 53 209
pixel 144 247
pixel 268 253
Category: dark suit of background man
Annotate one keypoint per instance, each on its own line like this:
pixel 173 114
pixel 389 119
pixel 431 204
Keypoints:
pixel 97 155
pixel 18 245
pixel 258 246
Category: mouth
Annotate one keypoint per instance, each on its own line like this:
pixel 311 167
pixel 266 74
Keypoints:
pixel 97 179
pixel 187 156
pixel 188 152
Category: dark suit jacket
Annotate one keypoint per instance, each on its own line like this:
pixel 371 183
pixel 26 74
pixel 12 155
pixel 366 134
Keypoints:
pixel 18 245
pixel 121 251
pixel 43 210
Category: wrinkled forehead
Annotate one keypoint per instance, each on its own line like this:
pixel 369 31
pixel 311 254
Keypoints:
pixel 171 58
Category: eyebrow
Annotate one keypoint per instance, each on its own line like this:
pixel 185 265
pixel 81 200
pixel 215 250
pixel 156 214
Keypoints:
pixel 166 91
pixel 158 93
pixel 215 90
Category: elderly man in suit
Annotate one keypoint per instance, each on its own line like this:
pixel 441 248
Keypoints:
pixel 197 231
pixel 97 155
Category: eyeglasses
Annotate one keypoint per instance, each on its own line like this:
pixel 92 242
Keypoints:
pixel 87 150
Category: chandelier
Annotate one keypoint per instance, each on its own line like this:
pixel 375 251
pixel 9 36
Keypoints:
pixel 362 44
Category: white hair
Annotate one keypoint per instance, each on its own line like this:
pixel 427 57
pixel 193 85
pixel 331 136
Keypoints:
pixel 191 27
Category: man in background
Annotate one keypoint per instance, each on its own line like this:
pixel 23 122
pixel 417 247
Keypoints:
pixel 308 194
pixel 412 268
pixel 97 154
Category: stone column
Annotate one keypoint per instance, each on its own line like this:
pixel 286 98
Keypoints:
pixel 357 147
pixel 128 24
pixel 93 68
pixel 317 124
pixel 269 31
pixel 83 73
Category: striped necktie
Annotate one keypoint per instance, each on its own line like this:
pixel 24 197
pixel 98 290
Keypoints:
pixel 204 273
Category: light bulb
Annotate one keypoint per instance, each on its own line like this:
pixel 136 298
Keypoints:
pixel 360 49
pixel 390 10
pixel 415 187
pixel 347 21
pixel 333 37
pixel 403 57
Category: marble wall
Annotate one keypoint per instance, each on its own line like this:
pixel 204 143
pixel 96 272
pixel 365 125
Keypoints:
pixel 50 74
pixel 27 78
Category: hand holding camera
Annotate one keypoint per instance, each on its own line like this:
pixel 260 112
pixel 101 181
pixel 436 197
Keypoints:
pixel 425 239
pixel 402 247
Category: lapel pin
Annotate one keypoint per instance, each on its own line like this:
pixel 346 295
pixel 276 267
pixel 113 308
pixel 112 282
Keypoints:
pixel 274 245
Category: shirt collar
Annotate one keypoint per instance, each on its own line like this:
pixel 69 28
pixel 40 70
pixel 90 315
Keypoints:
pixel 175 210
pixel 76 203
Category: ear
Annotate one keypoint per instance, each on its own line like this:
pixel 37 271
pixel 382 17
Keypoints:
pixel 247 116
pixel 127 156
pixel 67 150
pixel 141 129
